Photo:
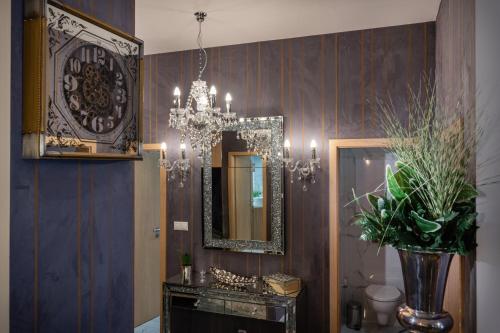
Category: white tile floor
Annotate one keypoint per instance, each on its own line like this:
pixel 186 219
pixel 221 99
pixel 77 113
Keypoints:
pixel 152 326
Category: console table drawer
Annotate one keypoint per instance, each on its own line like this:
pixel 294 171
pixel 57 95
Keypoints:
pixel 257 311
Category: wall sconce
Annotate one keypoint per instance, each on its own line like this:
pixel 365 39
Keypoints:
pixel 179 168
pixel 306 169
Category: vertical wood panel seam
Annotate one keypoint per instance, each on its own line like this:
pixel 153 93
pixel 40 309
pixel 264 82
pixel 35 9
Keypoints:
pixel 426 72
pixel 372 81
pixel 78 246
pixel 290 127
pixel 282 111
pixel 302 88
pixel 156 98
pixel 182 195
pixel 91 249
pixel 362 82
pixel 191 197
pixel 337 97
pixel 323 150
pixel 409 71
pixel 150 98
pixel 109 268
pixel 132 249
pixel 247 87
pixel 258 97
pixel 36 241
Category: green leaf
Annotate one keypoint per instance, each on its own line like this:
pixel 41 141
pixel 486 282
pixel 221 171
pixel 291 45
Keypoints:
pixel 465 222
pixel 424 224
pixel 448 217
pixel 468 193
pixel 393 186
pixel 403 182
pixel 406 169
pixel 373 199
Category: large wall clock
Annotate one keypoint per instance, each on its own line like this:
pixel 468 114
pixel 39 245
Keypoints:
pixel 82 86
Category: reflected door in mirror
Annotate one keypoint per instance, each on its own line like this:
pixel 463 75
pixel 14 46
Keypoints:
pixel 247 189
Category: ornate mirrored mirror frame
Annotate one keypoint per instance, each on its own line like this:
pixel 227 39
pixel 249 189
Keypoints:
pixel 263 137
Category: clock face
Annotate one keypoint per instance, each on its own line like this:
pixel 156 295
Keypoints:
pixel 94 88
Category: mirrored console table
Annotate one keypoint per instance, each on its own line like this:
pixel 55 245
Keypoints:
pixel 210 307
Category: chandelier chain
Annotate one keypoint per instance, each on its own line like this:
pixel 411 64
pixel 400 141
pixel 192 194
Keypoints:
pixel 202 52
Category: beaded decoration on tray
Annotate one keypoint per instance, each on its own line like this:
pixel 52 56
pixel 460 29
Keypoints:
pixel 232 279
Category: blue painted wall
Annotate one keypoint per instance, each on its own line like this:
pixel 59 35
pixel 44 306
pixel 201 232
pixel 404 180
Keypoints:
pixel 71 222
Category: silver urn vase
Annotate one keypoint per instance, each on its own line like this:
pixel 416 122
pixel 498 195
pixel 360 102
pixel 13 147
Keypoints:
pixel 425 275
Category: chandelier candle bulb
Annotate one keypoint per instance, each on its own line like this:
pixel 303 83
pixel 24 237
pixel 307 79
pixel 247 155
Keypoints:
pixel 183 151
pixel 228 102
pixel 212 94
pixel 177 97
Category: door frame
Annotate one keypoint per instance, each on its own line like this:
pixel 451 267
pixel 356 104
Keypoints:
pixel 163 229
pixel 456 284
pixel 334 232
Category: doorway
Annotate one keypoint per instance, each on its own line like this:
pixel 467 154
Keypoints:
pixel 149 240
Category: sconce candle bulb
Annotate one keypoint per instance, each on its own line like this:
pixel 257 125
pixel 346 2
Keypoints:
pixel 228 102
pixel 306 169
pixel 179 167
pixel 163 150
pixel 286 153
pixel 313 149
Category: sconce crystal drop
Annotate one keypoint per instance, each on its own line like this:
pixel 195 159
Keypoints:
pixel 306 169
pixel 178 169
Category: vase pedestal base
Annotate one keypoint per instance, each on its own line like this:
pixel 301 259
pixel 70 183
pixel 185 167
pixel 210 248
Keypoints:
pixel 424 322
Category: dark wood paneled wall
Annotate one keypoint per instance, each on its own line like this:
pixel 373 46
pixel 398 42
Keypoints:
pixel 455 54
pixel 326 87
pixel 71 222
pixel 456 89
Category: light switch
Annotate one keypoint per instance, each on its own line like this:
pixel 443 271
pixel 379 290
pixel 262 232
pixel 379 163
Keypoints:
pixel 181 225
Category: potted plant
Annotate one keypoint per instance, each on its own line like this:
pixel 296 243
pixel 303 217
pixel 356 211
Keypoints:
pixel 186 268
pixel 426 210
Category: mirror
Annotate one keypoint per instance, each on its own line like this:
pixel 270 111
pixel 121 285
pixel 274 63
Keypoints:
pixel 242 188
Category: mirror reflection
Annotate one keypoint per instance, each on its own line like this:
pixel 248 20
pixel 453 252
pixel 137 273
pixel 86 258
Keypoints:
pixel 240 191
pixel 243 188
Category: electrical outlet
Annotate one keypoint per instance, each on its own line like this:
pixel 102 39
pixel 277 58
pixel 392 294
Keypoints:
pixel 181 225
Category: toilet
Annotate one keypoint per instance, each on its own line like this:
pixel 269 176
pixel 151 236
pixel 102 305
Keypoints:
pixel 383 300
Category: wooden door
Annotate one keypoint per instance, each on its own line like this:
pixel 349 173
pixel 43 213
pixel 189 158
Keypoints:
pixel 147 278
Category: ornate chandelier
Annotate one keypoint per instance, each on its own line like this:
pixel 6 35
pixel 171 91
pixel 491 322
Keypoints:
pixel 201 120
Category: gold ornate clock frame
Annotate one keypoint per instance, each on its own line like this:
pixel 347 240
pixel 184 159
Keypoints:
pixel 107 83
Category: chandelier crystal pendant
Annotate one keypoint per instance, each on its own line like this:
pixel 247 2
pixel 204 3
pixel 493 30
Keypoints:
pixel 201 120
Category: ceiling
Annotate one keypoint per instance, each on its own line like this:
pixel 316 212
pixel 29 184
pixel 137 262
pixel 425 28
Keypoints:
pixel 169 25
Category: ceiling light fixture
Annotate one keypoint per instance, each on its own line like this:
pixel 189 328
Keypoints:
pixel 201 120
